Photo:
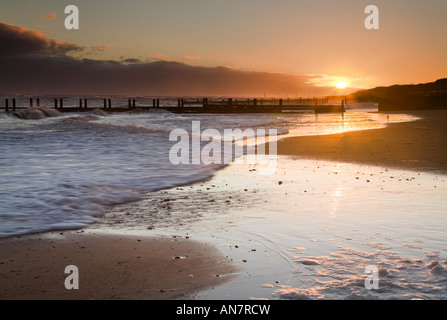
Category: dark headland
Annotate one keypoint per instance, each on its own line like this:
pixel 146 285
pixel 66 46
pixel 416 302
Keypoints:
pixel 426 96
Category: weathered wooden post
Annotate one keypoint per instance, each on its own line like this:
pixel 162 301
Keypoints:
pixel 80 103
pixel 31 102
pixel 153 103
pixel 85 103
pixel 14 104
pixel 105 103
pixel 6 105
pixel 62 103
pixel 133 103
pixel 38 102
pixel 128 103
pixel 55 103
pixel 158 103
pixel 255 102
pixel 178 103
pixel 230 102
pixel 280 102
pixel 110 104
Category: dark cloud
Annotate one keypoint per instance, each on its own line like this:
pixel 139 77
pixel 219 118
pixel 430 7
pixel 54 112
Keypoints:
pixel 67 75
pixel 32 63
pixel 132 60
pixel 16 40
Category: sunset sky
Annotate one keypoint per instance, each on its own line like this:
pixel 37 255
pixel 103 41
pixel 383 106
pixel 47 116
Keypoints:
pixel 319 42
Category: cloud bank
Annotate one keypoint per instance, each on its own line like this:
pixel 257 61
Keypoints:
pixel 19 41
pixel 33 63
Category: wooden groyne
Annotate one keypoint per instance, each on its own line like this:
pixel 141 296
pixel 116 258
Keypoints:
pixel 204 105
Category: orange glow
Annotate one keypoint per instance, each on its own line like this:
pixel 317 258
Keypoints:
pixel 341 85
pixel 50 16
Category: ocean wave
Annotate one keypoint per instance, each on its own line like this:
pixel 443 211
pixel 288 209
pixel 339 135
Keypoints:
pixel 36 113
pixel 129 128
pixel 92 120
pixel 79 119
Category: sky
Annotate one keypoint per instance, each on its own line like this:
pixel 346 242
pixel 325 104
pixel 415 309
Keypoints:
pixel 252 47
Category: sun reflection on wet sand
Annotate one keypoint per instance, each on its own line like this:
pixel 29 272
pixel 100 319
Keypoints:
pixel 311 236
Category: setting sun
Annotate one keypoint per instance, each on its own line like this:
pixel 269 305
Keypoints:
pixel 341 85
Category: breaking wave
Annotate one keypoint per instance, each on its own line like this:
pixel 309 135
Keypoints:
pixel 36 113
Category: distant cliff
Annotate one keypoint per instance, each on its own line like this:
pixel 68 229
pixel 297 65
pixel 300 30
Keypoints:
pixel 424 96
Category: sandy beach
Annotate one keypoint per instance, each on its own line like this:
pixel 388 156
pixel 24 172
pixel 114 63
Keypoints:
pixel 223 150
pixel 110 266
pixel 130 267
pixel 416 145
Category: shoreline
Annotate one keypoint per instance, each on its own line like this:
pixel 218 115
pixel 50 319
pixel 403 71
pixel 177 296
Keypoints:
pixel 415 145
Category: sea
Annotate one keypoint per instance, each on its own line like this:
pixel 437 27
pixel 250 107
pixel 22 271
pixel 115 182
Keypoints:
pixel 63 170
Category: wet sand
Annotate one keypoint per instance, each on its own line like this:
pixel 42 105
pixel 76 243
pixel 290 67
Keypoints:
pixel 416 145
pixel 110 266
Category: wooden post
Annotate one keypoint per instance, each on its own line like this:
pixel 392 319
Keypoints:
pixel 230 102
pixel 110 104
pixel 280 102
pixel 153 103
pixel 55 103
pixel 6 105
pixel 133 103
pixel 105 103
pixel 38 102
pixel 178 103
pixel 14 104
pixel 255 102
pixel 158 102
pixel 80 103
pixel 85 103
pixel 128 103
pixel 31 102
pixel 62 103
